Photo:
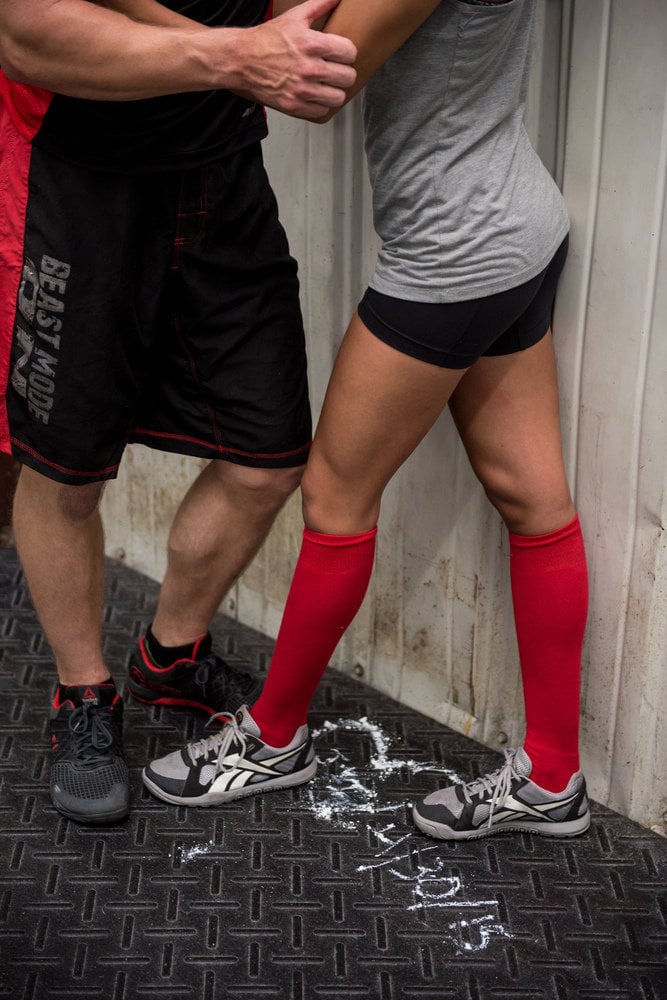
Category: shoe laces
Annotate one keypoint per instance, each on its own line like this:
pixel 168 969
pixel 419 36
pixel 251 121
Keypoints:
pixel 91 732
pixel 219 742
pixel 213 671
pixel 497 783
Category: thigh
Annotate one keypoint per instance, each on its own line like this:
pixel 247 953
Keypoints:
pixel 379 405
pixel 507 413
pixel 230 370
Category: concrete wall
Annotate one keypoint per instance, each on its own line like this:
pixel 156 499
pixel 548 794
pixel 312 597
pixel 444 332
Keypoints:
pixel 436 630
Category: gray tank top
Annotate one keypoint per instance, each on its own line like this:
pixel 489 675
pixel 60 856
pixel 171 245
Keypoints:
pixel 461 201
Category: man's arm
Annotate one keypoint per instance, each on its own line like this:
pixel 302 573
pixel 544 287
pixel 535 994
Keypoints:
pixel 377 27
pixel 84 49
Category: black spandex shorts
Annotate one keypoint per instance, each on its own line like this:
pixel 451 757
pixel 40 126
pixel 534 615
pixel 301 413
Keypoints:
pixel 162 309
pixel 456 334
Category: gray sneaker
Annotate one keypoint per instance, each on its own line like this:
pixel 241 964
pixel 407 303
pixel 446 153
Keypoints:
pixel 230 764
pixel 505 800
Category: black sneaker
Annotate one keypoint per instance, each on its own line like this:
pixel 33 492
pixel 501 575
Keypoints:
pixel 230 764
pixel 89 777
pixel 205 682
pixel 505 800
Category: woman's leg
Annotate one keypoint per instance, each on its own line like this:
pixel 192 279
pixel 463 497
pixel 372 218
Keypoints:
pixel 379 405
pixel 506 411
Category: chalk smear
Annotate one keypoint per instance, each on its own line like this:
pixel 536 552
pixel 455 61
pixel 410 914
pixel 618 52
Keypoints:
pixel 475 935
pixel 352 798
pixel 348 796
pixel 185 854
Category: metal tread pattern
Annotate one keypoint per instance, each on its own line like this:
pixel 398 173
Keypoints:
pixel 325 892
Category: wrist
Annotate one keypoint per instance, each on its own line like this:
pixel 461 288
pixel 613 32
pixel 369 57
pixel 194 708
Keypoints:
pixel 220 59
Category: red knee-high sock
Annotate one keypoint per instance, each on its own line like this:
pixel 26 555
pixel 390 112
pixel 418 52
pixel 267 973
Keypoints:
pixel 329 583
pixel 550 594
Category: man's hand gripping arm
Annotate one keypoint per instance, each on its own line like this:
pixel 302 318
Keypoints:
pixel 131 49
pixel 377 27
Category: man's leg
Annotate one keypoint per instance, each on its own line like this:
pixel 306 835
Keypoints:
pixel 233 377
pixel 60 542
pixel 221 523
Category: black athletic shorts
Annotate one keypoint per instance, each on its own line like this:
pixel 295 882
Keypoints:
pixel 162 309
pixel 456 334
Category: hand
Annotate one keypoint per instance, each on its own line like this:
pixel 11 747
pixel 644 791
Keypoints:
pixel 289 66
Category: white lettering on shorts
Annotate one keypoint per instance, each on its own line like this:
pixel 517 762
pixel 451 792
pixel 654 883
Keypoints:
pixel 41 304
pixel 26 344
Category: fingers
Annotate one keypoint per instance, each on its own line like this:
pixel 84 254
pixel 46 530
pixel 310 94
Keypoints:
pixel 317 81
pixel 286 65
pixel 322 89
pixel 318 106
pixel 332 74
pixel 336 48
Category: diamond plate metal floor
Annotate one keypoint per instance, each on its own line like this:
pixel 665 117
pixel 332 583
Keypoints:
pixel 321 892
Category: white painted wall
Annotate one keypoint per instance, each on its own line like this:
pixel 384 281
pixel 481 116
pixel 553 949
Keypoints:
pixel 436 629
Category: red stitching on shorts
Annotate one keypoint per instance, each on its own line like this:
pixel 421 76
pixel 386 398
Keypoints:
pixel 61 468
pixel 222 449
pixel 200 385
pixel 182 241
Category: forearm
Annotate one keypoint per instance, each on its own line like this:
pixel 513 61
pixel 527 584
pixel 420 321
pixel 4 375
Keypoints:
pixel 87 50
pixel 114 50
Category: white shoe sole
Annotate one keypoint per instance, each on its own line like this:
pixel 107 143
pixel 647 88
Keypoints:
pixel 443 832
pixel 220 797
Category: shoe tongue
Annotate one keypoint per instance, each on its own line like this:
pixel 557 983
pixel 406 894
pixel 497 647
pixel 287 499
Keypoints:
pixel 91 695
pixel 246 722
pixel 522 763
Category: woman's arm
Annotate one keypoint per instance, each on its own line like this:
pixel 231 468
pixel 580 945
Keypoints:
pixel 378 29
pixel 84 49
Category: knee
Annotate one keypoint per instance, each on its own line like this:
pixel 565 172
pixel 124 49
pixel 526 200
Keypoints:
pixel 38 493
pixel 530 509
pixel 263 489
pixel 313 494
pixel 336 507
pixel 79 503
